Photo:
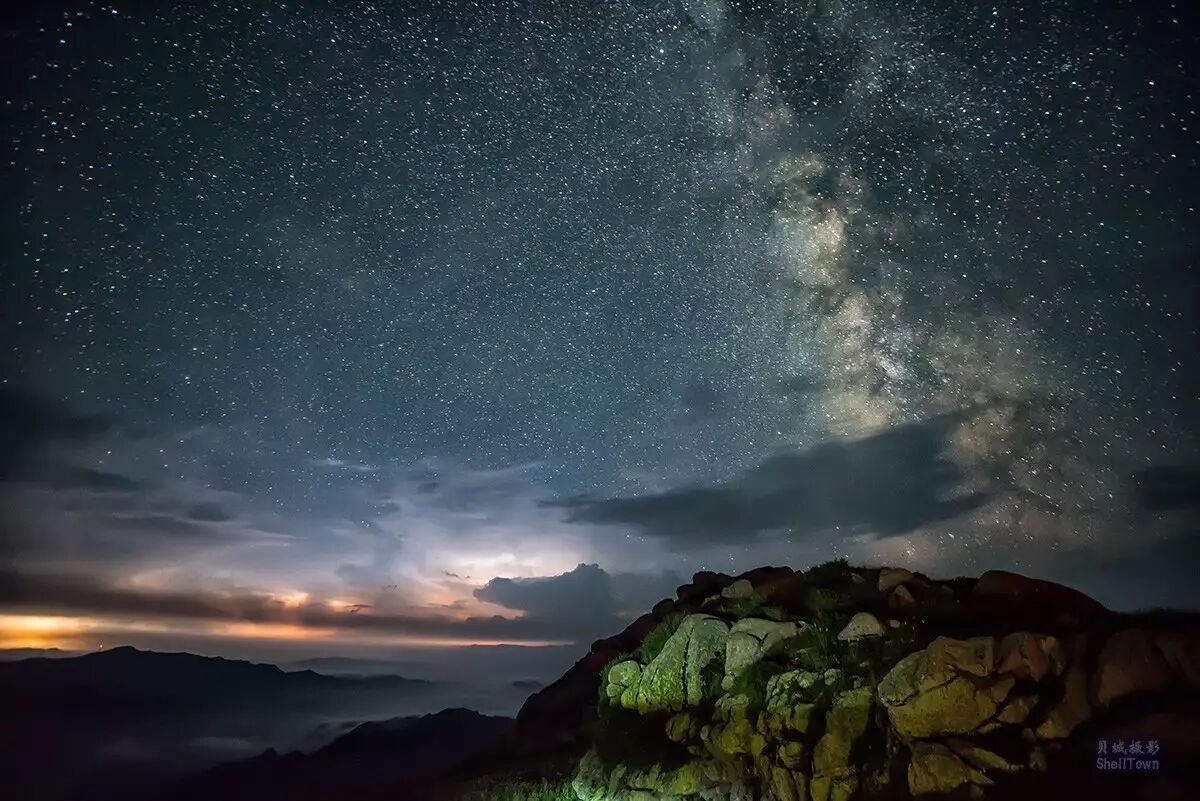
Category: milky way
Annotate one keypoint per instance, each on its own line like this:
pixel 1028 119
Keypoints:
pixel 314 314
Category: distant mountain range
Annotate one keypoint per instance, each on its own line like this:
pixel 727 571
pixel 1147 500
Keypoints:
pixel 15 654
pixel 392 760
pixel 74 726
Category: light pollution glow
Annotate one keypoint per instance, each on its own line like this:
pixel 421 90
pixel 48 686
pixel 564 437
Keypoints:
pixel 84 633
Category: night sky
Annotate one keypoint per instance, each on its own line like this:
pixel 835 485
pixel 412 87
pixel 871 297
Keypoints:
pixel 327 327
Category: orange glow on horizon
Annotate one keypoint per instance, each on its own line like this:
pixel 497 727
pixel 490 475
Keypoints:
pixel 273 631
pixel 42 631
pixel 82 633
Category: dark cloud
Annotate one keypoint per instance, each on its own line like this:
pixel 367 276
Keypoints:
pixel 208 513
pixel 29 423
pixel 80 528
pixel 90 479
pixel 1168 488
pixel 888 483
pixel 587 590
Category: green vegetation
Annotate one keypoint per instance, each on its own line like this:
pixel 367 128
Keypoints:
pixel 525 790
pixel 656 640
pixel 835 571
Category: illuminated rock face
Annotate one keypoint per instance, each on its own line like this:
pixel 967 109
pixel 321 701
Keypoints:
pixel 951 694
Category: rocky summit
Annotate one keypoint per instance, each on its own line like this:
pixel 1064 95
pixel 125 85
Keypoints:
pixel 841 683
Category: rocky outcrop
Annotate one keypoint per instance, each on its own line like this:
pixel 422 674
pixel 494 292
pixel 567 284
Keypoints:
pixel 749 640
pixel 948 688
pixel 935 768
pixel 853 683
pixel 835 775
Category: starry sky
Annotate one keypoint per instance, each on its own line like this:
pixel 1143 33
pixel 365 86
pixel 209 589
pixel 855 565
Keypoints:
pixel 338 327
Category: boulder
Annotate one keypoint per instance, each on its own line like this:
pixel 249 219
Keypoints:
pixel 1074 707
pixel 663 608
pixel 749 640
pixel 741 588
pixel 792 754
pixel 999 591
pixel 684 780
pixel 1030 656
pixel 704 584
pixel 1017 709
pixel 976 656
pixel 890 577
pixel 835 776
pixel 678 676
pixel 834 788
pixel 732 732
pixel 901 598
pixel 623 680
pixel 782 784
pixel 944 689
pixel 680 727
pixel 786 708
pixel 766 575
pixel 1182 654
pixel 860 627
pixel 1129 662
pixel 936 769
pixel 981 758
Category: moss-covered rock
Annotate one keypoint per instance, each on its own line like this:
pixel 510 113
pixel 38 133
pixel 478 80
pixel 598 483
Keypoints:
pixel 835 775
pixel 1074 707
pixel 945 689
pixel 787 708
pixel 677 677
pixel 749 640
pixel 861 626
pixel 845 723
pixel 623 679
pixel 781 784
pixel 685 780
pixel 732 732
pixel 934 768
pixel 980 757
pixel 764 710
pixel 680 727
pixel 792 754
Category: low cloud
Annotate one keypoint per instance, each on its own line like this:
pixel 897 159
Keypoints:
pixel 885 484
pixel 576 606
pixel 584 595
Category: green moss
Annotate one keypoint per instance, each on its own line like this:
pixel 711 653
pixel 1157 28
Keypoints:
pixel 654 642
pixel 604 675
